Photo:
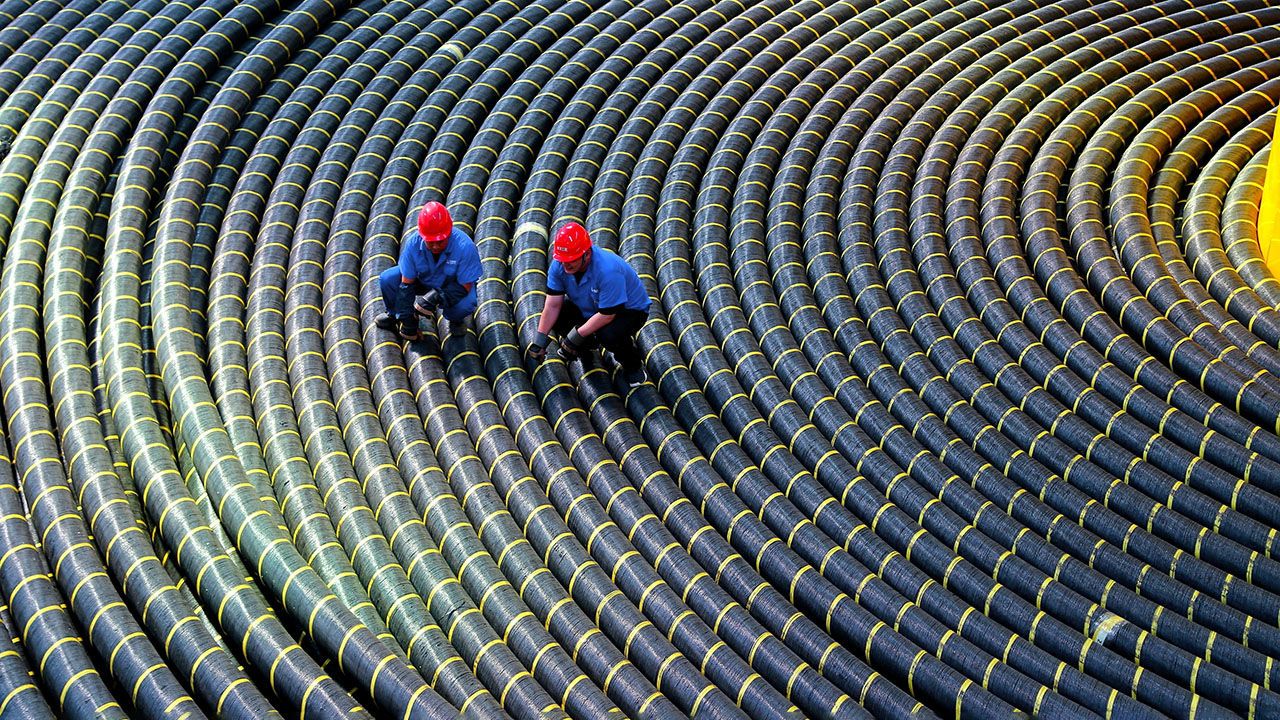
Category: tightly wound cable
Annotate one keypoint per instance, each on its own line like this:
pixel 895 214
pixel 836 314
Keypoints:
pixel 963 363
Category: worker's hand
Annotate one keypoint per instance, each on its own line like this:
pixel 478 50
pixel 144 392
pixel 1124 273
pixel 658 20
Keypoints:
pixel 571 346
pixel 537 350
pixel 431 299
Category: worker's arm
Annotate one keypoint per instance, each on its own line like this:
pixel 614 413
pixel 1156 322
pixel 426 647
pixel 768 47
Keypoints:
pixel 597 321
pixel 550 313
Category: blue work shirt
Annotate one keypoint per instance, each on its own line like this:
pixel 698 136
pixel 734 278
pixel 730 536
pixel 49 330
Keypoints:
pixel 607 283
pixel 460 262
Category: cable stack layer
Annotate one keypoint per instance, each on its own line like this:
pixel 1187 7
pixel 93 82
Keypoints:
pixel 963 361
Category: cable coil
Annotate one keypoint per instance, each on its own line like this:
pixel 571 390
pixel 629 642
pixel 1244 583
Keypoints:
pixel 963 363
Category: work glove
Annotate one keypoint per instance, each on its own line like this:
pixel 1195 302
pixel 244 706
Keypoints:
pixel 427 304
pixel 571 346
pixel 537 350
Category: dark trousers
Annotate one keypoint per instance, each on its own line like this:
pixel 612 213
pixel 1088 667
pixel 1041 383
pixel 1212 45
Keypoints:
pixel 618 337
pixel 390 280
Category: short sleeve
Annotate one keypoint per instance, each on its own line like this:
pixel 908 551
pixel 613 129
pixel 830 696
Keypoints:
pixel 555 279
pixel 469 269
pixel 408 263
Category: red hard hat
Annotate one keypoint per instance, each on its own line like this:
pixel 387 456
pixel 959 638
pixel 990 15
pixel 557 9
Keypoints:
pixel 571 243
pixel 434 223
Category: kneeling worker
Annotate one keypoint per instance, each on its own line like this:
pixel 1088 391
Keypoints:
pixel 442 265
pixel 592 294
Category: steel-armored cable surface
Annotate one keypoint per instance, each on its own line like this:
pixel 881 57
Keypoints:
pixel 963 361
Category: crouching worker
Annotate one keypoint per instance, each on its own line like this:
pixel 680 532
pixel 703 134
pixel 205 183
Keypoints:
pixel 592 295
pixel 441 265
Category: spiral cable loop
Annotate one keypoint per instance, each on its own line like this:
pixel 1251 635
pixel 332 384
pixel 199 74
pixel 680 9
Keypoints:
pixel 961 372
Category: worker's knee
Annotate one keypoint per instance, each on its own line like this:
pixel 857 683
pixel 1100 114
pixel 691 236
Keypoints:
pixel 570 317
pixel 463 308
pixel 624 327
pixel 388 281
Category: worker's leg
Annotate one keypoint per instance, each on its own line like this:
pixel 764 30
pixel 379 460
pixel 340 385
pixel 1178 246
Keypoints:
pixel 619 338
pixel 569 318
pixel 463 310
pixel 389 282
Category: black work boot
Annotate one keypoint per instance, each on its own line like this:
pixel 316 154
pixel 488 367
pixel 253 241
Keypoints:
pixel 385 321
pixel 634 376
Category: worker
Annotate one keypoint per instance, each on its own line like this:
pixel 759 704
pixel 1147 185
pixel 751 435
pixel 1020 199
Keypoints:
pixel 441 264
pixel 592 294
